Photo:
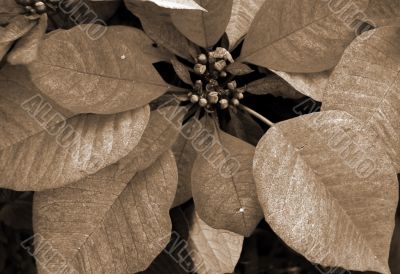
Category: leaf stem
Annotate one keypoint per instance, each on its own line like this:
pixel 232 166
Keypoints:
pixel 257 115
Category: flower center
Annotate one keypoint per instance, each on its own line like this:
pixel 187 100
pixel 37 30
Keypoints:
pixel 215 87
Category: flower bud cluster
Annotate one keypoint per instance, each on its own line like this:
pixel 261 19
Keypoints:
pixel 33 6
pixel 213 89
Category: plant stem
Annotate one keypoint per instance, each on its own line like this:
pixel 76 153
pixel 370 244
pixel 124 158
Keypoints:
pixel 257 115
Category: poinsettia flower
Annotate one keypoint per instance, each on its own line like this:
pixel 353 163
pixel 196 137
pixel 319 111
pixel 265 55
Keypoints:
pixel 107 170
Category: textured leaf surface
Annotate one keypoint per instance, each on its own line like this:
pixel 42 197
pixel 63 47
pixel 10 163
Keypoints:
pixel 177 4
pixel 243 13
pixel 27 48
pixel 157 24
pixel 181 71
pixel 383 12
pixel 103 227
pixel 328 190
pixel 214 251
pixel 204 28
pixel 309 84
pixel 40 148
pixel 298 35
pixel 274 85
pixel 185 155
pixel 111 74
pixel 224 193
pixel 157 138
pixel 366 84
pixel 9 9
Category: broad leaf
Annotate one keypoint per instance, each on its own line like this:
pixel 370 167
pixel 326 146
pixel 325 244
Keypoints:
pixel 222 183
pixel 299 35
pixel 185 155
pixel 274 85
pixel 41 148
pixel 18 27
pixel 9 9
pixel 366 84
pixel 27 48
pixel 243 12
pixel 98 227
pixel 309 84
pixel 383 12
pixel 157 24
pixel 328 190
pixel 204 28
pixel 238 68
pixel 159 135
pixel 213 251
pixel 111 74
pixel 176 4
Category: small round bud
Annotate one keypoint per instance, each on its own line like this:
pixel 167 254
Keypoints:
pixel 202 58
pixel 223 103
pixel 220 65
pixel 239 96
pixel 241 89
pixel 200 69
pixel 223 74
pixel 29 9
pixel 235 102
pixel 212 97
pixel 203 102
pixel 232 85
pixel 194 99
pixel 40 7
pixel 189 94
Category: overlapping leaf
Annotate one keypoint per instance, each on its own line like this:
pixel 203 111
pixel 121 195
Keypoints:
pixel 383 12
pixel 243 12
pixel 204 28
pixel 27 48
pixel 159 135
pixel 309 84
pixel 157 24
pixel 185 155
pixel 103 227
pixel 9 9
pixel 41 147
pixel 300 35
pixel 328 190
pixel 213 251
pixel 366 84
pixel 98 69
pixel 274 85
pixel 176 4
pixel 222 182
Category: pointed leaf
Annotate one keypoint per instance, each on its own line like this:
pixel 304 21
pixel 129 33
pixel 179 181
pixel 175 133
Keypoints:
pixel 177 4
pixel 182 71
pixel 185 155
pixel 328 190
pixel 299 36
pixel 41 148
pixel 366 84
pixel 222 183
pixel 98 227
pixel 27 48
pixel 157 24
pixel 274 85
pixel 9 9
pixel 204 28
pixel 111 74
pixel 213 251
pixel 18 27
pixel 243 13
pixel 309 84
pixel 157 138
pixel 238 68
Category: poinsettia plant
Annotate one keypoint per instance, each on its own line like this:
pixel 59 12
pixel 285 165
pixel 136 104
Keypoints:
pixel 112 126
